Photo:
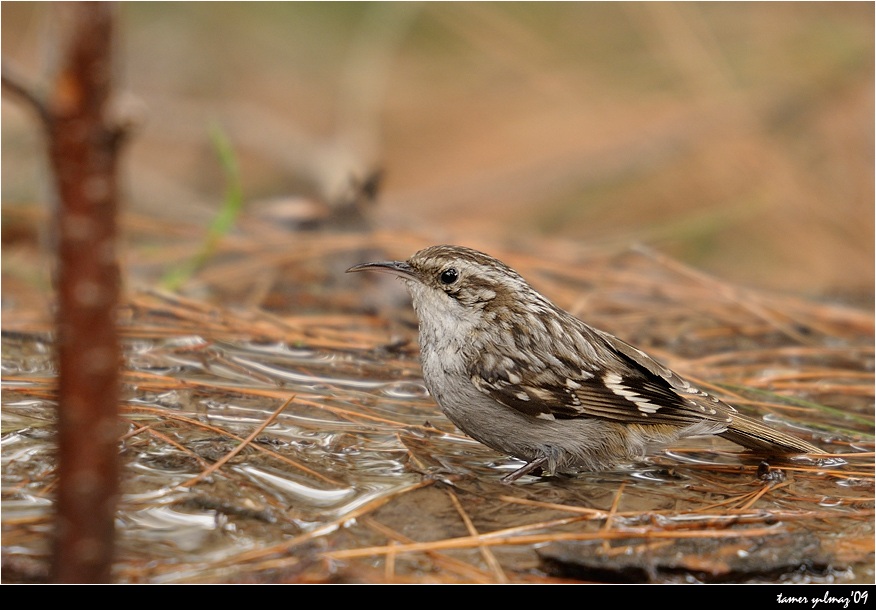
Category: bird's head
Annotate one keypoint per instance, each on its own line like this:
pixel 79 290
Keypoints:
pixel 462 284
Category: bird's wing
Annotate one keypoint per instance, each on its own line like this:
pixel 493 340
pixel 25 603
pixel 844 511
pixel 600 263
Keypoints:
pixel 623 384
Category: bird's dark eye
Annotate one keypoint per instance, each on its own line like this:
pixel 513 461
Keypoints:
pixel 448 276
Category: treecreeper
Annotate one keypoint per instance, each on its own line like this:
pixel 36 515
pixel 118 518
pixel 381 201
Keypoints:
pixel 528 379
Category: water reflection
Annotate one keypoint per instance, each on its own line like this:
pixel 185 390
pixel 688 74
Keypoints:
pixel 358 429
pixel 298 492
pixel 165 524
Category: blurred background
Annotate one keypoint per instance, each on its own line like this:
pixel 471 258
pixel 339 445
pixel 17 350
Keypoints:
pixel 737 137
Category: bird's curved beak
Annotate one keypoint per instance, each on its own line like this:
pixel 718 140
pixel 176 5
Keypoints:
pixel 399 268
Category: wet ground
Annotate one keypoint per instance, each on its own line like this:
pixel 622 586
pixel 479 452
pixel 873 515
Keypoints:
pixel 354 475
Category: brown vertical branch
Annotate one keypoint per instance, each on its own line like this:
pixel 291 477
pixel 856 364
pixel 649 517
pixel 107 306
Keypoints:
pixel 82 144
pixel 82 151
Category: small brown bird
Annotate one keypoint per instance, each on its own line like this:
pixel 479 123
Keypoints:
pixel 517 373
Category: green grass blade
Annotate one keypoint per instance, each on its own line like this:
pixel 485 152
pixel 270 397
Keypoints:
pixel 222 224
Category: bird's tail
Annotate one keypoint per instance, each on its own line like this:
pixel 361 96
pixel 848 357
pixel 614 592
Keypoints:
pixel 758 436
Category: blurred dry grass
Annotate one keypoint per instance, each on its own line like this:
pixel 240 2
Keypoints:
pixel 736 137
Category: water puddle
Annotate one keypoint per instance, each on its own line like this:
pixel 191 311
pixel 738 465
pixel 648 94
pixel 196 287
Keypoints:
pixel 358 434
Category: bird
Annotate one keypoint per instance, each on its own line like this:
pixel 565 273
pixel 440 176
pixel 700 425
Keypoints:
pixel 522 376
